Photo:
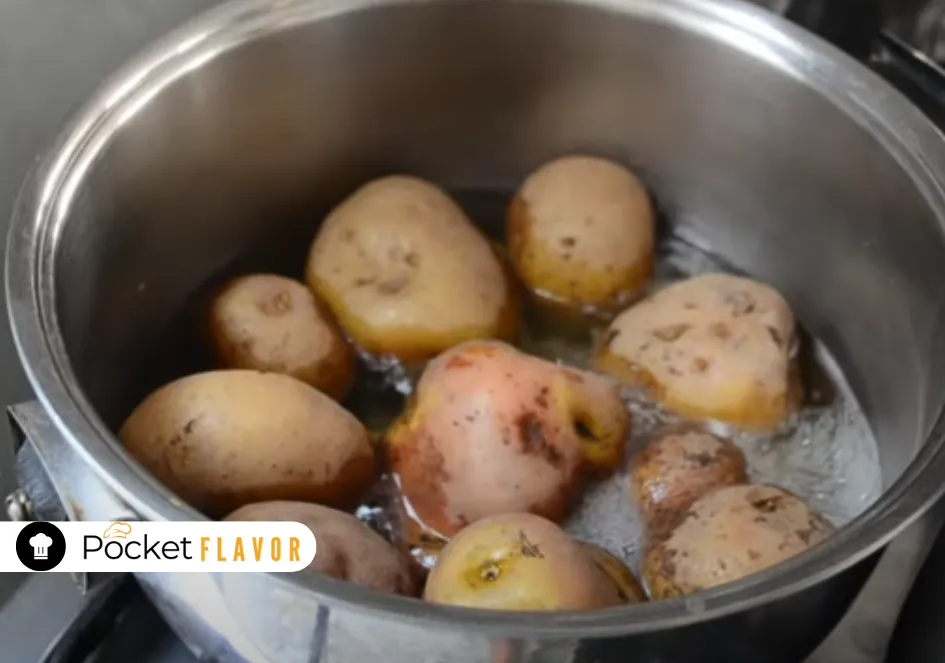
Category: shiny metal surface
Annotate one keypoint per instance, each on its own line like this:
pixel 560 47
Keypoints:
pixel 57 485
pixel 52 56
pixel 81 494
pixel 18 506
pixel 861 637
pixel 786 158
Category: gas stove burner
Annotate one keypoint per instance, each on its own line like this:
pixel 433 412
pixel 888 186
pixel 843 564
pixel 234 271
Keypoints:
pixel 140 635
pixel 921 24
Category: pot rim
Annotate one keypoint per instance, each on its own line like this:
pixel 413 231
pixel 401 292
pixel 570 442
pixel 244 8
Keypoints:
pixel 44 202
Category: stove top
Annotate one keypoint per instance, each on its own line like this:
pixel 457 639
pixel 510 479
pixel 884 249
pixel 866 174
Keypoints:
pixel 139 635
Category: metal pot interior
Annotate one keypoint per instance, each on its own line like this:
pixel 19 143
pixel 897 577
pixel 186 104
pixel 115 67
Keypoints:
pixel 768 148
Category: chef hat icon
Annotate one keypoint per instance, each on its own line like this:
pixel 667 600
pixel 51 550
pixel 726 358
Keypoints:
pixel 40 544
pixel 118 530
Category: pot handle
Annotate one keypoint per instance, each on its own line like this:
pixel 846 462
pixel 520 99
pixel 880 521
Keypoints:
pixel 851 25
pixel 55 483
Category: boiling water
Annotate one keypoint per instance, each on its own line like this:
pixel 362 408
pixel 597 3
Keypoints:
pixel 825 453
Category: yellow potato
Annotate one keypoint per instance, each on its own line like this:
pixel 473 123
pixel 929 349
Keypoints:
pixel 519 561
pixel 581 234
pixel 407 274
pixel 715 346
pixel 628 586
pixel 347 549
pixel 270 323
pixel 676 469
pixel 729 535
pixel 223 439
pixel 492 430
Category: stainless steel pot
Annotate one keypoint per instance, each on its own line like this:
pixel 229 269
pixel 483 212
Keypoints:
pixel 784 156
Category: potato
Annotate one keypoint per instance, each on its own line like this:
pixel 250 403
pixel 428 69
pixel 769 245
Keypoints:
pixel 581 233
pixel 347 549
pixel 270 323
pixel 627 585
pixel 519 561
pixel 711 347
pixel 492 430
pixel 407 274
pixel 730 534
pixel 676 469
pixel 224 439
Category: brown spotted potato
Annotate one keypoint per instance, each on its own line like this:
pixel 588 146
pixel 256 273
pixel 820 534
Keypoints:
pixel 223 439
pixel 347 549
pixel 492 430
pixel 715 347
pixel 271 323
pixel 407 274
pixel 581 234
pixel 677 468
pixel 730 534
pixel 627 585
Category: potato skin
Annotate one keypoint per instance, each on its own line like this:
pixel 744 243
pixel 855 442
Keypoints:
pixel 714 346
pixel 271 323
pixel 407 274
pixel 677 468
pixel 626 583
pixel 730 534
pixel 347 549
pixel 492 430
pixel 581 232
pixel 519 561
pixel 223 439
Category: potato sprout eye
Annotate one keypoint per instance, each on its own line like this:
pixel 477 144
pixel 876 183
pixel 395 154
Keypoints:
pixel 767 505
pixel 489 571
pixel 583 431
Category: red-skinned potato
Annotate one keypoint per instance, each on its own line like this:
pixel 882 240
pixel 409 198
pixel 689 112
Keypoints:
pixel 492 430
pixel 347 549
pixel 519 561
pixel 271 323
pixel 677 468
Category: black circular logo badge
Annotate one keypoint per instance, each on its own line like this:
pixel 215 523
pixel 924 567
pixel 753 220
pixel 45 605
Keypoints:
pixel 40 546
